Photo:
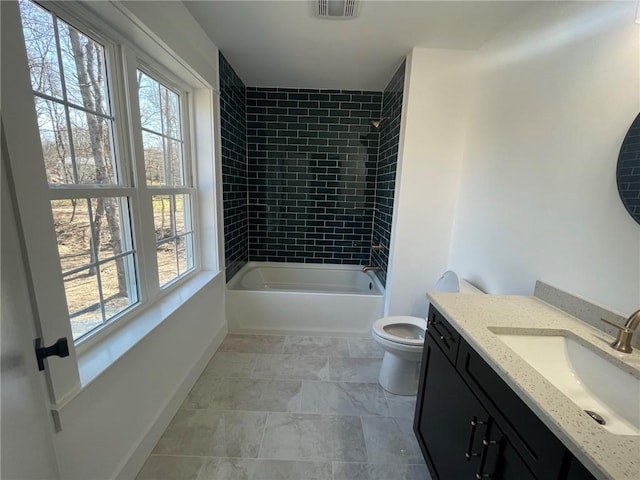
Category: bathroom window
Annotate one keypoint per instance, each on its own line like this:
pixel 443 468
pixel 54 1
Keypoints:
pixel 115 140
pixel 167 173
pixel 90 195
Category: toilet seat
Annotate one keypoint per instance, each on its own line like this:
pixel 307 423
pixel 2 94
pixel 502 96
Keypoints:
pixel 379 330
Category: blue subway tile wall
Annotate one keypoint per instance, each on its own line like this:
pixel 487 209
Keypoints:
pixel 233 122
pixel 386 170
pixel 312 174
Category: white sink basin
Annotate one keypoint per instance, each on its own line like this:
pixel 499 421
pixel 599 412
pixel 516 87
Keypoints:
pixel 591 381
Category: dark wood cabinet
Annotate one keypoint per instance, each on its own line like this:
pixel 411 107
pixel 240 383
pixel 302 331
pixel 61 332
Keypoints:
pixel 499 458
pixel 452 422
pixel 471 425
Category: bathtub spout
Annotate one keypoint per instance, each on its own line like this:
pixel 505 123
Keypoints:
pixel 368 268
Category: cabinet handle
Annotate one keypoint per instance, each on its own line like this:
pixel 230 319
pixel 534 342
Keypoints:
pixel 481 475
pixel 474 424
pixel 445 339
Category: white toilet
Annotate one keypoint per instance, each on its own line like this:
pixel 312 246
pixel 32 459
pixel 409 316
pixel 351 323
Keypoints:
pixel 402 339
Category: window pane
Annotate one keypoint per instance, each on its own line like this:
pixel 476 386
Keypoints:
pixel 83 300
pixel 167 262
pixel 91 136
pixel 185 258
pixel 83 64
pixel 182 208
pixel 171 215
pixel 162 132
pixel 73 230
pixel 149 98
pixel 163 160
pixel 174 168
pixel 153 158
pixel 108 227
pixel 170 104
pixel 40 40
pixel 54 136
pixel 159 107
pixel 73 220
pixel 162 217
pixel 115 291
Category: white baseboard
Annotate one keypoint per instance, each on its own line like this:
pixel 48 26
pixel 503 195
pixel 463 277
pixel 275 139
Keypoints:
pixel 141 451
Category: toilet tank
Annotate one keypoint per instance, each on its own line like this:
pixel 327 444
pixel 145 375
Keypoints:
pixel 449 282
pixel 466 287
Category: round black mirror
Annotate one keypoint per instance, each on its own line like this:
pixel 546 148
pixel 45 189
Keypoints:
pixel 628 172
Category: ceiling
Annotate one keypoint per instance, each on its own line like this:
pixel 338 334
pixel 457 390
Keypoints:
pixel 282 44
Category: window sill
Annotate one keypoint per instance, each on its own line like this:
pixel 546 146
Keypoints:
pixel 99 357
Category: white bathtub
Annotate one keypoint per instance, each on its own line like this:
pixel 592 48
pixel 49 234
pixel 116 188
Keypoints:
pixel 297 297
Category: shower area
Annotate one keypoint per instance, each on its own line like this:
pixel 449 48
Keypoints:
pixel 308 176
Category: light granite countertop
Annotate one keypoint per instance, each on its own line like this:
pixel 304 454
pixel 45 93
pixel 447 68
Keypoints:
pixel 606 455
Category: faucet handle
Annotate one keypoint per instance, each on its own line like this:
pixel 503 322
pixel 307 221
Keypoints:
pixel 622 328
pixel 622 343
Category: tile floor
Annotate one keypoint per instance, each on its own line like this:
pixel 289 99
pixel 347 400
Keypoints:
pixel 290 408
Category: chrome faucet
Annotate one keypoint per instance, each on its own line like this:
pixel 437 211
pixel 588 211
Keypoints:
pixel 368 268
pixel 622 343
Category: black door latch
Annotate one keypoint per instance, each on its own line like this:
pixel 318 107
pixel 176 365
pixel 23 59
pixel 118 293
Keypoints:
pixel 60 348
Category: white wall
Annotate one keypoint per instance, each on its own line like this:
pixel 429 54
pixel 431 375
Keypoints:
pixel 112 426
pixel 435 109
pixel 557 92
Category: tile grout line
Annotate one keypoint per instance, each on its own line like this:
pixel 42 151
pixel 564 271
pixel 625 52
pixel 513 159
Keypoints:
pixel 349 348
pixel 364 437
pixel 264 432
pixel 255 363
pixel 202 468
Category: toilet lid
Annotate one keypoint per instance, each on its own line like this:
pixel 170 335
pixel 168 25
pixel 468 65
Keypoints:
pixel 401 329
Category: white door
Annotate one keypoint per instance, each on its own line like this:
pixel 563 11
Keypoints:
pixel 27 451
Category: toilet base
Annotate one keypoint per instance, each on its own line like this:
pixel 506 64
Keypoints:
pixel 399 375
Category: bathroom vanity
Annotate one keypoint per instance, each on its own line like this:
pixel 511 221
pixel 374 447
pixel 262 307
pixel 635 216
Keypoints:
pixel 486 412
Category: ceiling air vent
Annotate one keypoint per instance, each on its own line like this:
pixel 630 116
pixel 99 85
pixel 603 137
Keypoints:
pixel 337 9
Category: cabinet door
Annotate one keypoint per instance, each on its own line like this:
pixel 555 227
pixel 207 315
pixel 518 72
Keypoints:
pixel 538 447
pixel 499 460
pixel 450 423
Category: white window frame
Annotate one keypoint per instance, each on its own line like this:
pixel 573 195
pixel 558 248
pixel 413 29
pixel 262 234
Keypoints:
pixel 190 179
pixel 131 43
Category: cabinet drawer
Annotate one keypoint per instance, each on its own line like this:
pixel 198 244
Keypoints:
pixel 535 443
pixel 443 333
